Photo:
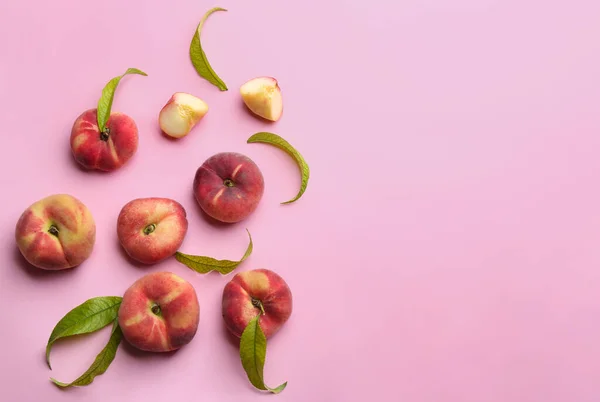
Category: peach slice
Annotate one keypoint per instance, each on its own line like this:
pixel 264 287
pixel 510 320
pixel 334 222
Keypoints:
pixel 181 113
pixel 262 96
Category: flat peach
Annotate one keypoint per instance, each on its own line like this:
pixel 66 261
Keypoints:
pixel 159 312
pixel 56 232
pixel 151 229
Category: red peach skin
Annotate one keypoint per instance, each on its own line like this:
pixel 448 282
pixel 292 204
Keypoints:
pixel 159 313
pixel 99 151
pixel 151 229
pixel 240 296
pixel 228 186
pixel 56 232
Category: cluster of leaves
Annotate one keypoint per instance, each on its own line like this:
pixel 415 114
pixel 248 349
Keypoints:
pixel 90 316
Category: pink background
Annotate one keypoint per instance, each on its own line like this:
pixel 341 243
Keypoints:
pixel 446 248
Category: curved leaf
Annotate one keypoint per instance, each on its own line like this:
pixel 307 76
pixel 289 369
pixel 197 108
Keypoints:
pixel 274 139
pixel 198 57
pixel 89 316
pixel 253 351
pixel 204 265
pixel 108 94
pixel 100 364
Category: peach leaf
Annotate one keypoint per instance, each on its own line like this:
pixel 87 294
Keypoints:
pixel 90 316
pixel 108 95
pixel 100 364
pixel 277 141
pixel 253 351
pixel 198 57
pixel 204 265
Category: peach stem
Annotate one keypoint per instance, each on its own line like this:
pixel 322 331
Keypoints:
pixel 53 230
pixel 258 304
pixel 104 134
pixel 155 309
pixel 149 229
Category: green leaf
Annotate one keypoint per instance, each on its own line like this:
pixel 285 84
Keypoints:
pixel 253 350
pixel 199 59
pixel 204 265
pixel 274 139
pixel 100 364
pixel 89 316
pixel 108 94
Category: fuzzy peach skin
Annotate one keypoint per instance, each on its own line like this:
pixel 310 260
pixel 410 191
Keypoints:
pixel 56 232
pixel 151 229
pixel 159 312
pixel 106 151
pixel 228 186
pixel 244 295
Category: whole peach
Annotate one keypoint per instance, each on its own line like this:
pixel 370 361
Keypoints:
pixel 228 186
pixel 56 232
pixel 256 292
pixel 159 312
pixel 151 229
pixel 107 150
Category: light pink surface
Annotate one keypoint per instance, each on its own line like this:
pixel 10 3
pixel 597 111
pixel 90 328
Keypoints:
pixel 446 249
